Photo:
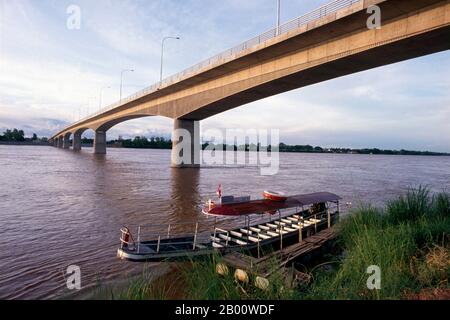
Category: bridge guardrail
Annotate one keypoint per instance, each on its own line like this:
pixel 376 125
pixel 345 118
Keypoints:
pixel 316 14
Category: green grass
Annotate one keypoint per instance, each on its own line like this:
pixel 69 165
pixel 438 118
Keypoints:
pixel 408 240
pixel 393 239
pixel 203 283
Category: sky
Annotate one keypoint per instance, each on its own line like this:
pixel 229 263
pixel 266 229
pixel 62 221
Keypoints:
pixel 51 75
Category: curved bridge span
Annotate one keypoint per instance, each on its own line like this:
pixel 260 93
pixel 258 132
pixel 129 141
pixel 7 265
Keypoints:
pixel 330 42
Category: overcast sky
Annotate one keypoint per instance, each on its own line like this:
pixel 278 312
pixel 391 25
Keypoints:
pixel 50 75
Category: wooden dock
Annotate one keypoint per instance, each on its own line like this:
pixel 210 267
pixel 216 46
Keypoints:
pixel 277 260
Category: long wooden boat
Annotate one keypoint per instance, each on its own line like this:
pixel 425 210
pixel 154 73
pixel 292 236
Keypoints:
pixel 280 224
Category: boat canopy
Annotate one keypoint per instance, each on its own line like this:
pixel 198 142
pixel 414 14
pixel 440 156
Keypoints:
pixel 267 206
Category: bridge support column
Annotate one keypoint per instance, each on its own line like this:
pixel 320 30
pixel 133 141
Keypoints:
pixel 186 150
pixel 76 144
pixel 100 142
pixel 60 142
pixel 66 142
pixel 55 143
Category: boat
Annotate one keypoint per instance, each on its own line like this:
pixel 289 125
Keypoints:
pixel 268 224
pixel 275 196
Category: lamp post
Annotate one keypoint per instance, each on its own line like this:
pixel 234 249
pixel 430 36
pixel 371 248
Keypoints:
pixel 162 56
pixel 121 80
pixel 101 97
pixel 278 16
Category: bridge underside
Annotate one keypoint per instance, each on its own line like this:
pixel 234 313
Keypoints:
pixel 333 47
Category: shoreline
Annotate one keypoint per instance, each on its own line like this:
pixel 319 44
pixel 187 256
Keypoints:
pixel 44 144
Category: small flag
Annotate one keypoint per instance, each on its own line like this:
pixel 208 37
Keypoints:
pixel 219 191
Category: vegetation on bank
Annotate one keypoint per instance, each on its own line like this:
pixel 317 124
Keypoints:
pixel 409 241
pixel 142 142
pixel 163 143
pixel 16 135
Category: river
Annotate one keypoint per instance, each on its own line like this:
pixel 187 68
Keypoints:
pixel 59 208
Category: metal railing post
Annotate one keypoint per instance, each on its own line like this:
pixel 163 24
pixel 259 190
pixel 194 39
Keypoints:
pixel 300 232
pixel 159 243
pixel 139 240
pixel 329 217
pixel 259 248
pixel 228 238
pixel 168 231
pixel 195 236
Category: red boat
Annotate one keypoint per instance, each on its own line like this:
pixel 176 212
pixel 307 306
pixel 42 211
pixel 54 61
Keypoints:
pixel 275 196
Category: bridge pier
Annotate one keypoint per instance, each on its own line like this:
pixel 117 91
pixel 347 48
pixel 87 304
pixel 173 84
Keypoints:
pixel 66 142
pixel 76 143
pixel 55 143
pixel 100 142
pixel 60 142
pixel 186 144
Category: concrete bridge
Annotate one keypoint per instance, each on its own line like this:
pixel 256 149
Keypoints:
pixel 327 43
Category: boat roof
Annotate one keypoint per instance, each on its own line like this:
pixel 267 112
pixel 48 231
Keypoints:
pixel 264 205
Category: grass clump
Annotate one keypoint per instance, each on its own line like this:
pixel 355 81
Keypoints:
pixel 402 240
pixel 203 283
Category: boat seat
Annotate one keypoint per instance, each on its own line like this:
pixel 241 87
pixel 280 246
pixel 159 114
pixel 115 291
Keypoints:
pixel 255 229
pixel 236 234
pixel 261 238
pixel 271 225
pixel 264 236
pixel 287 221
pixel 215 239
pixel 200 246
pixel 296 226
pixel 315 220
pixel 289 229
pixel 224 237
pixel 239 242
pixel 293 219
pixel 230 239
pixel 217 245
pixel 246 231
pixel 296 216
pixel 279 223
pixel 273 234
pixel 264 228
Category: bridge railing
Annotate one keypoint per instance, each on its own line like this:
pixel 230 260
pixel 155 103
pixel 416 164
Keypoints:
pixel 220 58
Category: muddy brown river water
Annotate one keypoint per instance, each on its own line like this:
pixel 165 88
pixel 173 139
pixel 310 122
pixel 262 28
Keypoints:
pixel 60 208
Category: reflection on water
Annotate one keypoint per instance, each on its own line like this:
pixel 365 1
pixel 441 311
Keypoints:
pixel 185 196
pixel 59 208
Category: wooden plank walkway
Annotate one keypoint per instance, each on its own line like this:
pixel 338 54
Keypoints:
pixel 270 263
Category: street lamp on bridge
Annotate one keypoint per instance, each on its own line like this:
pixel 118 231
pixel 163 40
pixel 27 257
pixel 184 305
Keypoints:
pixel 121 81
pixel 278 16
pixel 162 56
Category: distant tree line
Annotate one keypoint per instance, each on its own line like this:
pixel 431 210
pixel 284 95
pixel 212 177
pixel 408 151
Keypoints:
pixel 16 135
pixel 311 149
pixel 142 142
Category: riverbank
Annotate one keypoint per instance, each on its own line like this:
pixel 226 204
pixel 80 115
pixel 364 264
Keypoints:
pixel 25 143
pixel 408 241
